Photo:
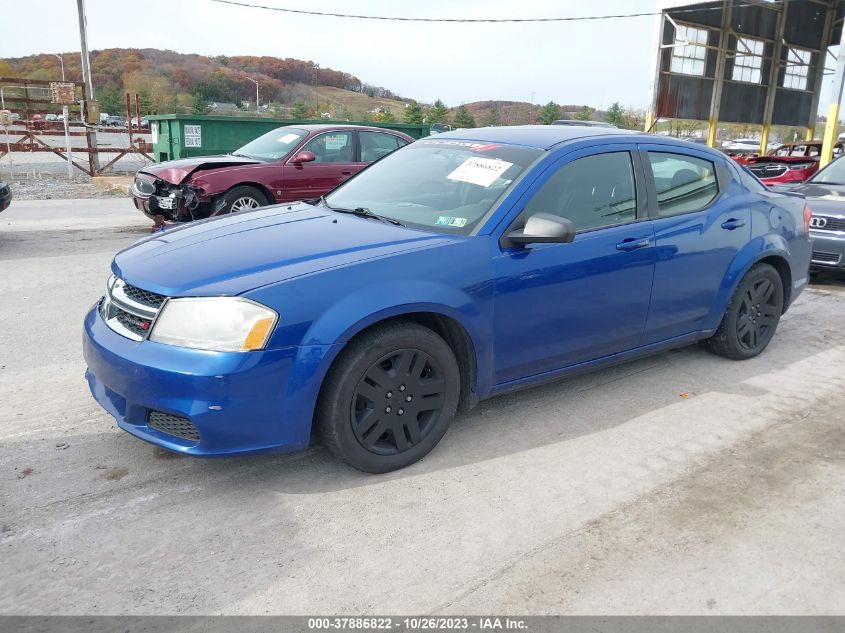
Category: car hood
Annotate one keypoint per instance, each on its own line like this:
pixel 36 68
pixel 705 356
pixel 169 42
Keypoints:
pixel 240 252
pixel 175 171
pixel 822 198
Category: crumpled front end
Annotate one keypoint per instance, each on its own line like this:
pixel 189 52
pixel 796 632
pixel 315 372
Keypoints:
pixel 182 202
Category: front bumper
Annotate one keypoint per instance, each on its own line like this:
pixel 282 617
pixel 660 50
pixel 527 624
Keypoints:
pixel 828 250
pixel 238 402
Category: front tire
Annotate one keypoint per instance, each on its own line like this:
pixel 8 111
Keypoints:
pixel 243 198
pixel 752 315
pixel 389 397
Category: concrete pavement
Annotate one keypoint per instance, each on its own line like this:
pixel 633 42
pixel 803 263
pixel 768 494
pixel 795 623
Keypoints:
pixel 683 483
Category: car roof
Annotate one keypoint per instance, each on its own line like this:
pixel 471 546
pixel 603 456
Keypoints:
pixel 319 127
pixel 539 136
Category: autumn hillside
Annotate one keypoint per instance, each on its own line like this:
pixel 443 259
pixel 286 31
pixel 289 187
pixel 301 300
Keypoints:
pixel 170 82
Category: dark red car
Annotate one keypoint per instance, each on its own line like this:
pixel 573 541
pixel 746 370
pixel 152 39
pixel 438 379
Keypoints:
pixel 789 163
pixel 290 163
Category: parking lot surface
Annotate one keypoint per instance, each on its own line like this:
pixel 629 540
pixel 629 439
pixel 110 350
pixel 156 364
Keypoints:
pixel 682 484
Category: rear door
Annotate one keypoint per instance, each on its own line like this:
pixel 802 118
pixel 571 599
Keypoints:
pixel 701 221
pixel 335 161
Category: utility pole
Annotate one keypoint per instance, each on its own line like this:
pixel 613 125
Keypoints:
pixel 832 125
pixel 65 116
pixel 93 157
pixel 256 93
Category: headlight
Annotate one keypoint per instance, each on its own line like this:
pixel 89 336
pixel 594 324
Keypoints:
pixel 222 324
pixel 800 166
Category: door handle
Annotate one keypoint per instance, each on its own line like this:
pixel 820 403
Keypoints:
pixel 347 173
pixel 732 224
pixel 632 244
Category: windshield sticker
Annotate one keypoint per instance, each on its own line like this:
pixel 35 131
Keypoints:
pixel 288 138
pixel 446 220
pixel 480 171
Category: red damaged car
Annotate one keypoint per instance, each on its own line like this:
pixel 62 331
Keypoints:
pixel 789 163
pixel 290 163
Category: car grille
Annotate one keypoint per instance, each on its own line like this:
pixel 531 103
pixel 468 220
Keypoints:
pixel 767 170
pixel 144 297
pixel 830 224
pixel 135 324
pixel 172 425
pixel 825 258
pixel 128 310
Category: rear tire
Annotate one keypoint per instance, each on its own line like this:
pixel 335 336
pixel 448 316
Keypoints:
pixel 243 198
pixel 752 316
pixel 389 397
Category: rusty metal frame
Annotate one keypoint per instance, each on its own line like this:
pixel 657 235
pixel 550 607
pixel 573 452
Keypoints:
pixel 28 140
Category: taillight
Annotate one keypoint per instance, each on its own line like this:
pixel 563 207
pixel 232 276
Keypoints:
pixel 808 215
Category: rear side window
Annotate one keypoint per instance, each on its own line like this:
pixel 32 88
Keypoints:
pixel 683 183
pixel 375 145
pixel 592 192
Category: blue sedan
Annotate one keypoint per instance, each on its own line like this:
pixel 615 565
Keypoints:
pixel 462 266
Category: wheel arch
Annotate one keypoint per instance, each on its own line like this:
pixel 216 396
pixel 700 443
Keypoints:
pixel 457 338
pixel 772 250
pixel 271 199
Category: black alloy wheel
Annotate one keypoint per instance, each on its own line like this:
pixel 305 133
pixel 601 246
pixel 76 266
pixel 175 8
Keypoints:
pixel 759 311
pixel 752 316
pixel 397 401
pixel 389 397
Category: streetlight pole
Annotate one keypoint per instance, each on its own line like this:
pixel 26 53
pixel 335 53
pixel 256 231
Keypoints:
pixel 256 94
pixel 65 117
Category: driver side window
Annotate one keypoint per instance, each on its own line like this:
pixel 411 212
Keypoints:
pixel 592 192
pixel 334 147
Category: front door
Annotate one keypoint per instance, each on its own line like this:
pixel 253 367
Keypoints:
pixel 558 305
pixel 335 161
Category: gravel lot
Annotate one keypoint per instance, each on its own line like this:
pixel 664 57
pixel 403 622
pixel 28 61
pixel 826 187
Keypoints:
pixel 679 484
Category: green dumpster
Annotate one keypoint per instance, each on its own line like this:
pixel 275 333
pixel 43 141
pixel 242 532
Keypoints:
pixel 185 135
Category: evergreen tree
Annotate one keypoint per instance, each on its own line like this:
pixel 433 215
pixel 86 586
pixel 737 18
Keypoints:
pixel 198 104
pixel 299 111
pixel 111 100
pixel 585 113
pixel 438 113
pixel 413 113
pixel 494 116
pixel 616 115
pixel 144 102
pixel 549 113
pixel 463 118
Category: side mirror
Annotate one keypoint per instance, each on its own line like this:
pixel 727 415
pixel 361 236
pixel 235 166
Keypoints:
pixel 304 157
pixel 543 228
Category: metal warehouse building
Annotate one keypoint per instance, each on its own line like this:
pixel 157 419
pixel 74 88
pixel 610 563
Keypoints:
pixel 748 61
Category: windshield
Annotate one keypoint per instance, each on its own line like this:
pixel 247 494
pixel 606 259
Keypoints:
pixel 441 185
pixel 833 174
pixel 273 145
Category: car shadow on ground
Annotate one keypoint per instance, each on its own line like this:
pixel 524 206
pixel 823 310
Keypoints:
pixel 529 419
pixel 507 424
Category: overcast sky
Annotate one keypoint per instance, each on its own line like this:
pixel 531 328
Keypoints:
pixel 578 62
